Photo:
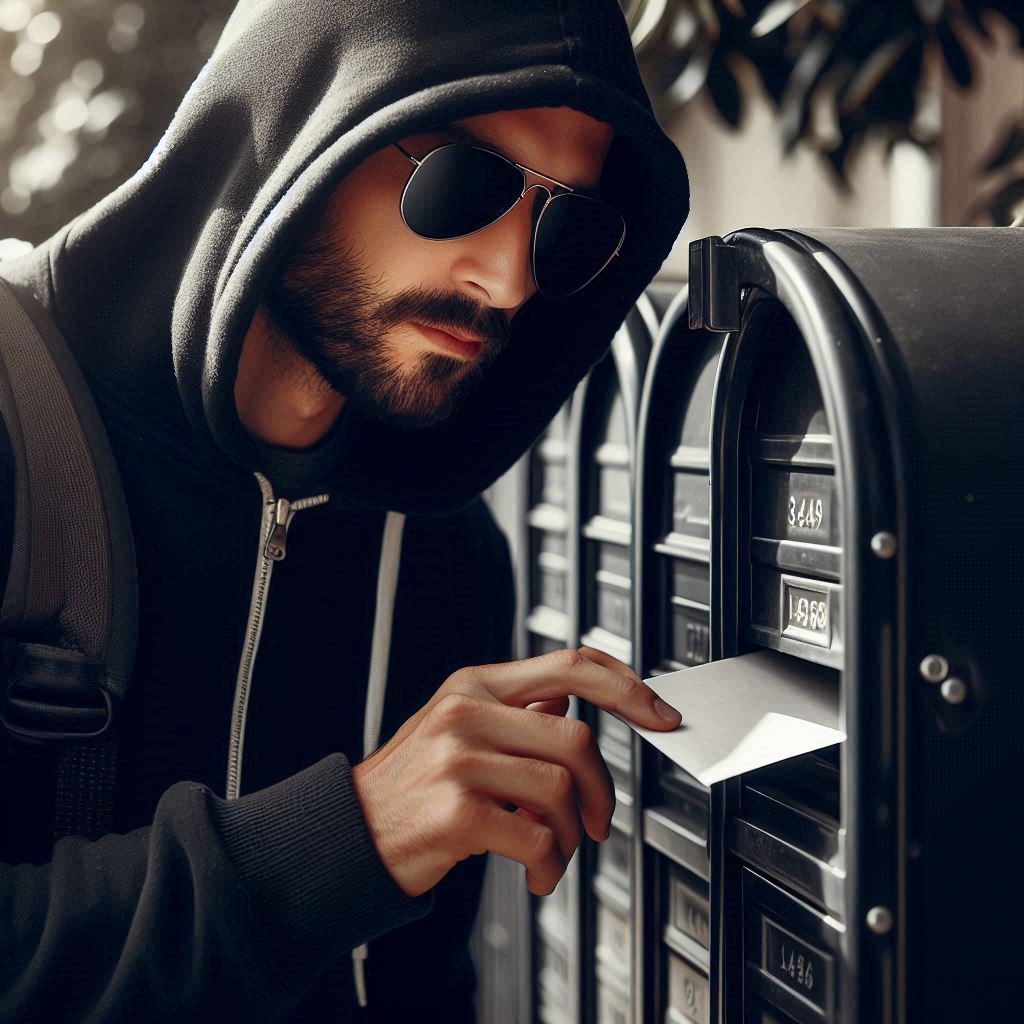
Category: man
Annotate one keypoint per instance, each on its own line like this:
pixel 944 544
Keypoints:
pixel 371 258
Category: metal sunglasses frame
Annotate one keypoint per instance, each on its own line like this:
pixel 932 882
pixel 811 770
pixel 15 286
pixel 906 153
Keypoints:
pixel 523 170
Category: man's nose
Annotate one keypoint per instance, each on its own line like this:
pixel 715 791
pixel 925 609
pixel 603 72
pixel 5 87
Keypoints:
pixel 494 265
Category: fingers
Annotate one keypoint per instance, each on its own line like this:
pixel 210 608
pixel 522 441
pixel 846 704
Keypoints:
pixel 587 673
pixel 531 843
pixel 542 792
pixel 559 707
pixel 565 744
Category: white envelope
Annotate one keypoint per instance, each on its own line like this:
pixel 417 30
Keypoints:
pixel 746 712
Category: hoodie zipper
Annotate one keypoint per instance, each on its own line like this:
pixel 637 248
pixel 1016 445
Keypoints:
pixel 278 514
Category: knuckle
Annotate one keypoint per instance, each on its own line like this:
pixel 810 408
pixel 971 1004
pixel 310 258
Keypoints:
pixel 454 707
pixel 561 783
pixel 565 660
pixel 578 736
pixel 452 756
pixel 544 846
pixel 466 677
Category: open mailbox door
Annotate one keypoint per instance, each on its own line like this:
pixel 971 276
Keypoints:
pixel 866 503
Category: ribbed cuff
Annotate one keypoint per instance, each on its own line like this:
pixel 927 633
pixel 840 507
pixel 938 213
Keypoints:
pixel 303 851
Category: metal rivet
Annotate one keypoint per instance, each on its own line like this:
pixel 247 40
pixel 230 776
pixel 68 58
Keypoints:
pixel 883 544
pixel 880 920
pixel 934 668
pixel 954 690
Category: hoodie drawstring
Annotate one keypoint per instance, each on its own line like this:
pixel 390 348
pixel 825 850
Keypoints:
pixel 380 651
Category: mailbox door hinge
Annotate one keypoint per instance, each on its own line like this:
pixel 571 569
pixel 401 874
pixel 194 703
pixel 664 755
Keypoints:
pixel 714 302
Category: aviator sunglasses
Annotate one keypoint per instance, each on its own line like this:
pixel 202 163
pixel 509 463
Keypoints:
pixel 459 188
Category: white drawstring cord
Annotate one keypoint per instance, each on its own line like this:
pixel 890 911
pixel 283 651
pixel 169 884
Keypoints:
pixel 380 651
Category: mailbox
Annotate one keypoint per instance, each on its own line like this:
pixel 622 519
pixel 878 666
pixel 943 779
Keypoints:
pixel 580 592
pixel 546 572
pixel 602 437
pixel 819 454
pixel 866 488
pixel 673 626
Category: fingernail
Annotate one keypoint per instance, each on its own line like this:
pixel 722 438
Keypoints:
pixel 668 713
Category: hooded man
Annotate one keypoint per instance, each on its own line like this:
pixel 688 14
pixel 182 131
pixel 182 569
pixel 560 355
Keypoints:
pixel 372 256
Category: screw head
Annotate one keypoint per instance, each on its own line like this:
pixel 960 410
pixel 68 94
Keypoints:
pixel 934 668
pixel 883 544
pixel 954 690
pixel 879 920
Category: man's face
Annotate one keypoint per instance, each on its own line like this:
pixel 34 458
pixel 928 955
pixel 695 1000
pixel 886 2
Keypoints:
pixel 373 308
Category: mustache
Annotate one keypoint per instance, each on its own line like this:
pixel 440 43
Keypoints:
pixel 446 309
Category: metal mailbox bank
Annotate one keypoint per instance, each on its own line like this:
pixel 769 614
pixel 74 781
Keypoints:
pixel 824 459
pixel 583 931
pixel 866 486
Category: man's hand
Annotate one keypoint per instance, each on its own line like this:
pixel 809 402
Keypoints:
pixel 491 737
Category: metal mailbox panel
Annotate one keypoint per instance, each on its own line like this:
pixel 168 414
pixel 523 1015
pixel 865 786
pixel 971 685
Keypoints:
pixel 689 580
pixel 689 994
pixel 613 488
pixel 689 910
pixel 689 633
pixel 790 951
pixel 691 504
pixel 614 946
pixel 613 861
pixel 612 1006
pixel 614 599
pixel 794 505
pixel 796 614
pixel 553 982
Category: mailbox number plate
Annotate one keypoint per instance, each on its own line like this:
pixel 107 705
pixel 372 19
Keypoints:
pixel 806 613
pixel 799 967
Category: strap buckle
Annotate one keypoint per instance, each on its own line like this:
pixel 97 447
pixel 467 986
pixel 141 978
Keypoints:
pixel 54 695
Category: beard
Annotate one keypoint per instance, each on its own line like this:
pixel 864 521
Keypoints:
pixel 323 305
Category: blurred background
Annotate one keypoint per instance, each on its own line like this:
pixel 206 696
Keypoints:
pixel 789 112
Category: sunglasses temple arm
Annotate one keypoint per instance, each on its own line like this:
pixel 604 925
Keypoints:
pixel 401 149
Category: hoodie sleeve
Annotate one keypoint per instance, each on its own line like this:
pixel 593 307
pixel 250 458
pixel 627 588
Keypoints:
pixel 235 904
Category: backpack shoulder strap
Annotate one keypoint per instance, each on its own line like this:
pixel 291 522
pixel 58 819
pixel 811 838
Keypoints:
pixel 69 614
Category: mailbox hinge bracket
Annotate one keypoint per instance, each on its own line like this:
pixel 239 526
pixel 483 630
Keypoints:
pixel 714 300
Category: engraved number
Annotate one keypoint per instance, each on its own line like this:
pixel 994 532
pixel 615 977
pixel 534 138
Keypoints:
pixel 808 614
pixel 808 513
pixel 798 968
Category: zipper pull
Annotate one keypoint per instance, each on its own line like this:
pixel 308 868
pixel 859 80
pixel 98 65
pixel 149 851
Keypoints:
pixel 275 548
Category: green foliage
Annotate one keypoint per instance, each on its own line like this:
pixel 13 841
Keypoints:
pixel 836 70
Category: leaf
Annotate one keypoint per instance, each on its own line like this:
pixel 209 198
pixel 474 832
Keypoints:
pixel 873 71
pixel 689 80
pixel 795 107
pixel 1007 149
pixel 1005 206
pixel 956 59
pixel 777 13
pixel 724 90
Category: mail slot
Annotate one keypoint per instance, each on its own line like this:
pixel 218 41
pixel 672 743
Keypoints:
pixel 866 484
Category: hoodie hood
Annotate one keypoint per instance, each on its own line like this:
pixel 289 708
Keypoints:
pixel 155 287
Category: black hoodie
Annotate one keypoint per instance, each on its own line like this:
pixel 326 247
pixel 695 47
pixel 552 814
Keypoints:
pixel 243 900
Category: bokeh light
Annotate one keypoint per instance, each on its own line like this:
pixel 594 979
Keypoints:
pixel 87 88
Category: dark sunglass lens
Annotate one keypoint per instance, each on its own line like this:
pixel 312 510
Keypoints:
pixel 575 238
pixel 459 189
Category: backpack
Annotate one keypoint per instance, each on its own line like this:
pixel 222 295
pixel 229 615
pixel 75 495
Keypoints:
pixel 69 616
